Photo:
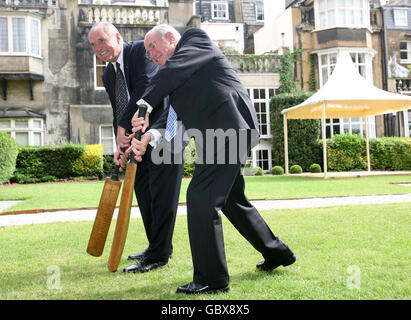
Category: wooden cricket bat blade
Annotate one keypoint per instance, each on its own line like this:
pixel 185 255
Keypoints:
pixel 103 218
pixel 123 218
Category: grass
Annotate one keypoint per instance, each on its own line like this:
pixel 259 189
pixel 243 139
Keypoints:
pixel 49 261
pixel 87 194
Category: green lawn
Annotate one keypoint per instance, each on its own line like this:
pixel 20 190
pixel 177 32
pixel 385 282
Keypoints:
pixel 87 194
pixel 347 252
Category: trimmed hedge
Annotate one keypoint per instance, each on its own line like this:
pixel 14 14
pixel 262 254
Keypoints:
pixel 58 161
pixel 303 135
pixel 50 163
pixel 348 152
pixel 8 155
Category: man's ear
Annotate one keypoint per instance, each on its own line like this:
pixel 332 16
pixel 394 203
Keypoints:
pixel 118 37
pixel 170 37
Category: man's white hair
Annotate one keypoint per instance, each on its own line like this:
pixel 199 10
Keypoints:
pixel 109 29
pixel 162 30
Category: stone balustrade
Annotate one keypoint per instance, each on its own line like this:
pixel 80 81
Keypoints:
pixel 249 63
pixel 28 3
pixel 124 15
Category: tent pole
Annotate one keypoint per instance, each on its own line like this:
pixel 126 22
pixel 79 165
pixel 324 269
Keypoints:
pixel 324 142
pixel 367 143
pixel 285 143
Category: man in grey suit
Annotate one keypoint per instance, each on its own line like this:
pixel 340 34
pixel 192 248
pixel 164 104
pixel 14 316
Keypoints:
pixel 210 100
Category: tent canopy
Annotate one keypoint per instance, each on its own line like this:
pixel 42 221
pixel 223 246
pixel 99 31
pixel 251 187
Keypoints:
pixel 347 94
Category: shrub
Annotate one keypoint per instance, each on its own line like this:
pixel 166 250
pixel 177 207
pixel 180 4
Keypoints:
pixel 48 178
pixel 90 163
pixel 108 164
pixel 277 170
pixel 315 168
pixel 249 170
pixel 8 155
pixel 259 172
pixel 296 169
pixel 188 170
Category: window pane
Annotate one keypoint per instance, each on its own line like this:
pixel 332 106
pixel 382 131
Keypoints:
pixel 262 93
pixel 37 124
pixel 4 35
pixel 256 94
pixel 355 129
pixel 331 17
pixel 37 139
pixel 22 138
pixel 106 132
pixel 322 19
pixel 35 36
pixel 107 146
pixel 271 92
pixel 22 124
pixel 19 34
pixel 341 17
pixel 358 17
pixel 358 4
pixel 5 124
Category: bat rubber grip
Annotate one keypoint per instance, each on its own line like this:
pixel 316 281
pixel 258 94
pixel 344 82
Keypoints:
pixel 142 110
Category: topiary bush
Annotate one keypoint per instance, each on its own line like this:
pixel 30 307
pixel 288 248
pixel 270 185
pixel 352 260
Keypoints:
pixel 8 156
pixel 295 169
pixel 315 168
pixel 277 170
pixel 259 171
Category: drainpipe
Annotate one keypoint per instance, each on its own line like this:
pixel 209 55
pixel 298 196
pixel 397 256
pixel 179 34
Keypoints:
pixel 387 118
pixel 299 28
pixel 384 60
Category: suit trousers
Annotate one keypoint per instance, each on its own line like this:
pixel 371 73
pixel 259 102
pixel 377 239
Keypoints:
pixel 157 189
pixel 216 187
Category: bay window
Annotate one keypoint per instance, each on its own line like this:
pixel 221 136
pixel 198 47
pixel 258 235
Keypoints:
pixel 27 132
pixel 341 13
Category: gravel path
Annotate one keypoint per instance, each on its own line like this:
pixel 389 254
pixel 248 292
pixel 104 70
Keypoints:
pixel 79 215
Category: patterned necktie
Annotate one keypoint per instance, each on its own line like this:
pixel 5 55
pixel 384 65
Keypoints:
pixel 171 128
pixel 121 93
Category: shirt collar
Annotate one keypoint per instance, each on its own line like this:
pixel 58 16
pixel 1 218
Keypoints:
pixel 120 60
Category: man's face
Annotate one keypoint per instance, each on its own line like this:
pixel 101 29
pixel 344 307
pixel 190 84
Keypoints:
pixel 158 48
pixel 105 47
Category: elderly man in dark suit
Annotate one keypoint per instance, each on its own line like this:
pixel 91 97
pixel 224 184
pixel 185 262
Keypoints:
pixel 157 186
pixel 209 98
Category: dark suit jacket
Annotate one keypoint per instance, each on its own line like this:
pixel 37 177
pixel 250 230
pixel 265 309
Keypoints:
pixel 137 71
pixel 204 89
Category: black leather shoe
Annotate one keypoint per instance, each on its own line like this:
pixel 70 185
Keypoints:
pixel 137 256
pixel 269 266
pixel 145 265
pixel 196 288
pixel 140 255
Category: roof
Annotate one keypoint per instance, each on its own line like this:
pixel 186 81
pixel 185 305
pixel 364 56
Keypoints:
pixel 20 112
